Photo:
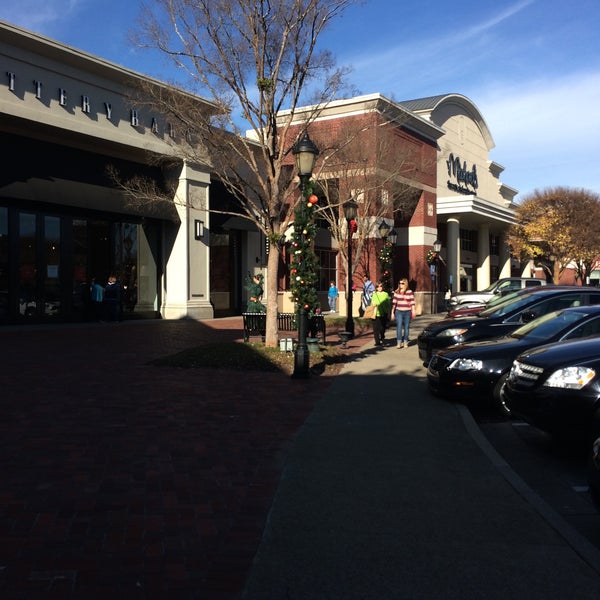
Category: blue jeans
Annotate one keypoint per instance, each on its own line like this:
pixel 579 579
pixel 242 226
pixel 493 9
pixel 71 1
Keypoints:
pixel 332 300
pixel 402 325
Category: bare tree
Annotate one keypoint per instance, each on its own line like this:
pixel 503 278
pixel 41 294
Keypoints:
pixel 252 59
pixel 559 225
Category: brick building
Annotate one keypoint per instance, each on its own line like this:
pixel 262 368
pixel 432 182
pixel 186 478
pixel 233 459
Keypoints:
pixel 431 179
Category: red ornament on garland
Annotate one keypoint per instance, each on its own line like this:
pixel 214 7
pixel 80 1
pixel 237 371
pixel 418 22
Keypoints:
pixel 313 199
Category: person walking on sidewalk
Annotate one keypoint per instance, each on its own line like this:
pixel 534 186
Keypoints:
pixel 367 292
pixel 403 310
pixel 381 300
pixel 332 296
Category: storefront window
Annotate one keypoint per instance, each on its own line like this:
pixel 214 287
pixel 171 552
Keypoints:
pixel 468 240
pixel 327 268
pixel 52 304
pixel 135 266
pixel 147 281
pixel 81 291
pixel 126 260
pixel 494 245
pixel 3 263
pixel 52 260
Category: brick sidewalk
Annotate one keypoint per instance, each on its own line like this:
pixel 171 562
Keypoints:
pixel 129 480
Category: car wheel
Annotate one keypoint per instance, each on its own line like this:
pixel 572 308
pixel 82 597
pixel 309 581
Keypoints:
pixel 497 394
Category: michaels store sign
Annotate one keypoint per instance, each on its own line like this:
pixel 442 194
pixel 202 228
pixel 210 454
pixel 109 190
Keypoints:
pixel 460 179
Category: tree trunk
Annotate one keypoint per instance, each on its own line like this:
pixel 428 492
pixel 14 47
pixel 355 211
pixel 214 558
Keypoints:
pixel 271 334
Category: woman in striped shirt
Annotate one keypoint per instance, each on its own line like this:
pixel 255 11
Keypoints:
pixel 403 306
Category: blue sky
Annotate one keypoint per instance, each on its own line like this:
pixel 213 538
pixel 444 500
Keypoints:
pixel 531 66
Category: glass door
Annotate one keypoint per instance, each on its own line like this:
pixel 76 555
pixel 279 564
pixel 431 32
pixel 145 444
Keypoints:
pixel 51 268
pixel 28 286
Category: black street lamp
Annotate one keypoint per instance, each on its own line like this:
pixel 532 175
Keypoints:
pixel 384 229
pixel 387 254
pixel 350 211
pixel 437 248
pixel 305 153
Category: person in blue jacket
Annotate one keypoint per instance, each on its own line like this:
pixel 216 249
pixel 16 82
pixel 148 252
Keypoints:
pixel 332 296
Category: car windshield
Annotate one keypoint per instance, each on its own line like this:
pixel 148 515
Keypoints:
pixel 509 304
pixel 496 300
pixel 549 325
pixel 490 288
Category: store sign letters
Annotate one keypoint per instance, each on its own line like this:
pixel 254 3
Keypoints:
pixel 86 104
pixel 461 175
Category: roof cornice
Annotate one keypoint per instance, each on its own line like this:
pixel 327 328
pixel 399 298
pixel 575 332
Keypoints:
pixel 365 104
pixel 76 58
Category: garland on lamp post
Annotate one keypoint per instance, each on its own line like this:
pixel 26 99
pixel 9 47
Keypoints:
pixel 385 262
pixel 432 257
pixel 304 262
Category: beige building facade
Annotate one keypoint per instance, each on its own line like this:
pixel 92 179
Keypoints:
pixel 474 207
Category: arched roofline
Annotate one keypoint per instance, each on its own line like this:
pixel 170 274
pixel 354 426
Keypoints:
pixel 428 105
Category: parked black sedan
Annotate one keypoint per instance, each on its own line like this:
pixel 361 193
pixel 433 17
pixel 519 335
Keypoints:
pixel 503 318
pixel 479 369
pixel 556 388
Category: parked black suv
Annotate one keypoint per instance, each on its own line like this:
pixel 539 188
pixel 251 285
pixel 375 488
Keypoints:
pixel 503 318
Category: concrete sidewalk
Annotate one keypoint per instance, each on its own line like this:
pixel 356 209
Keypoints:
pixel 389 492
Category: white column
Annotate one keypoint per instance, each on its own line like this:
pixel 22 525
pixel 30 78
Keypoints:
pixel 186 283
pixel 453 231
pixel 483 257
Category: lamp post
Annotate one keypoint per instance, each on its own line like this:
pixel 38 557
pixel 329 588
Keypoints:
pixel 384 229
pixel 437 248
pixel 350 211
pixel 305 153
